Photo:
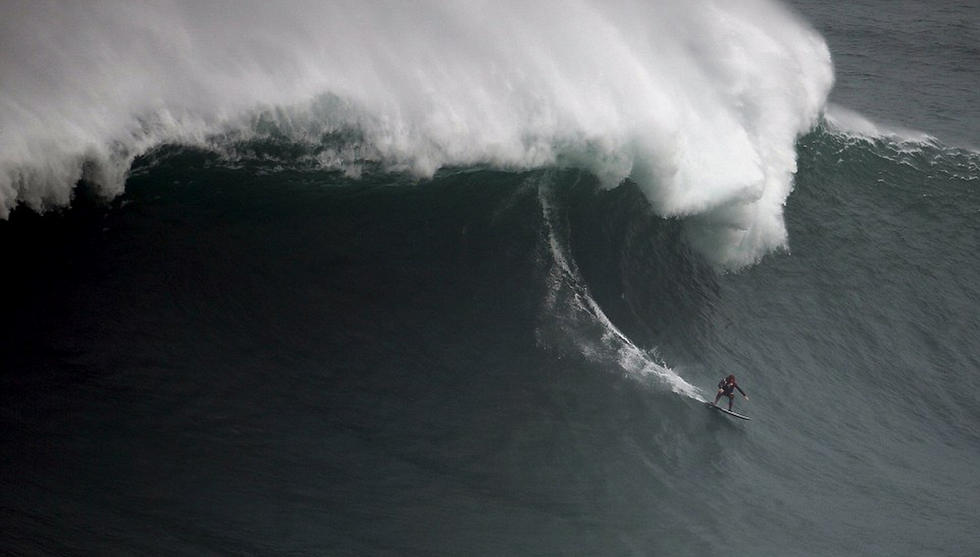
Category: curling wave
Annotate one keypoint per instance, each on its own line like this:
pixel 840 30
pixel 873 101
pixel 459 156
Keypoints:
pixel 699 104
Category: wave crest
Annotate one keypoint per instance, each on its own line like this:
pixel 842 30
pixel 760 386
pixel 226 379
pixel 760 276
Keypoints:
pixel 700 104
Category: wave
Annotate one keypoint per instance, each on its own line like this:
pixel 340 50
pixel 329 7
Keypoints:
pixel 570 307
pixel 855 141
pixel 848 122
pixel 699 104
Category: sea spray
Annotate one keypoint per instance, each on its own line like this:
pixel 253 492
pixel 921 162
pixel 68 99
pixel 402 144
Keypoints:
pixel 700 104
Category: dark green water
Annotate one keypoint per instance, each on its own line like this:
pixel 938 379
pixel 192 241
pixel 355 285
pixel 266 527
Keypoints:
pixel 258 356
pixel 229 362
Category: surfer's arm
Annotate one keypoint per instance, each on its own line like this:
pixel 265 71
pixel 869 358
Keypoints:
pixel 741 391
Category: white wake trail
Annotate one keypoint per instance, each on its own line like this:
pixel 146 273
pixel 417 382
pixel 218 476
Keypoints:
pixel 569 300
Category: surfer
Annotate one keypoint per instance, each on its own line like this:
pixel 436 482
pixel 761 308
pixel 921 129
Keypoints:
pixel 727 387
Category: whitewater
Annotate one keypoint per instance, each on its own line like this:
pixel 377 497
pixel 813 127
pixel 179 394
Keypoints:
pixel 700 104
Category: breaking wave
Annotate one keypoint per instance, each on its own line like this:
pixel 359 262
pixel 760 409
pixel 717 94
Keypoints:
pixel 700 104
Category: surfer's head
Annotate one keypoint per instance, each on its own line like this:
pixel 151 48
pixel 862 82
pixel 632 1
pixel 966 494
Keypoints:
pixel 730 379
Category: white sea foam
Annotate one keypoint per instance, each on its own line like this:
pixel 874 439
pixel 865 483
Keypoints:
pixel 699 102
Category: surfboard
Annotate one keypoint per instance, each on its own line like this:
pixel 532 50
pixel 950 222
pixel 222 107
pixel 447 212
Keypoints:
pixel 729 412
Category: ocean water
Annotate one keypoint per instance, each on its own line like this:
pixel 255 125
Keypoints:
pixel 457 278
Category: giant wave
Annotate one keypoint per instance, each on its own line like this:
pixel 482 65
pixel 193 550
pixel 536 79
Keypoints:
pixel 700 104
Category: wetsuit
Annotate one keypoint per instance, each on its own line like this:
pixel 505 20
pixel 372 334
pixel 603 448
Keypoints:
pixel 728 389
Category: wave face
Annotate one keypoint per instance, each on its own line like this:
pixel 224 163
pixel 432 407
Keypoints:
pixel 247 356
pixel 699 104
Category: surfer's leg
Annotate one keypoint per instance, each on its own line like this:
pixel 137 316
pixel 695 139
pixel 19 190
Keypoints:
pixel 731 401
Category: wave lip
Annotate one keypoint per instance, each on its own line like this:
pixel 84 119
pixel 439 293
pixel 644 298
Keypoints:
pixel 699 103
pixel 852 123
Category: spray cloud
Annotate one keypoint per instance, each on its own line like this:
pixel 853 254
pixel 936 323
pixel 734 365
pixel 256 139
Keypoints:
pixel 700 103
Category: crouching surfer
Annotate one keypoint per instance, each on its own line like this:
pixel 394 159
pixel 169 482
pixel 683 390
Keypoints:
pixel 727 387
